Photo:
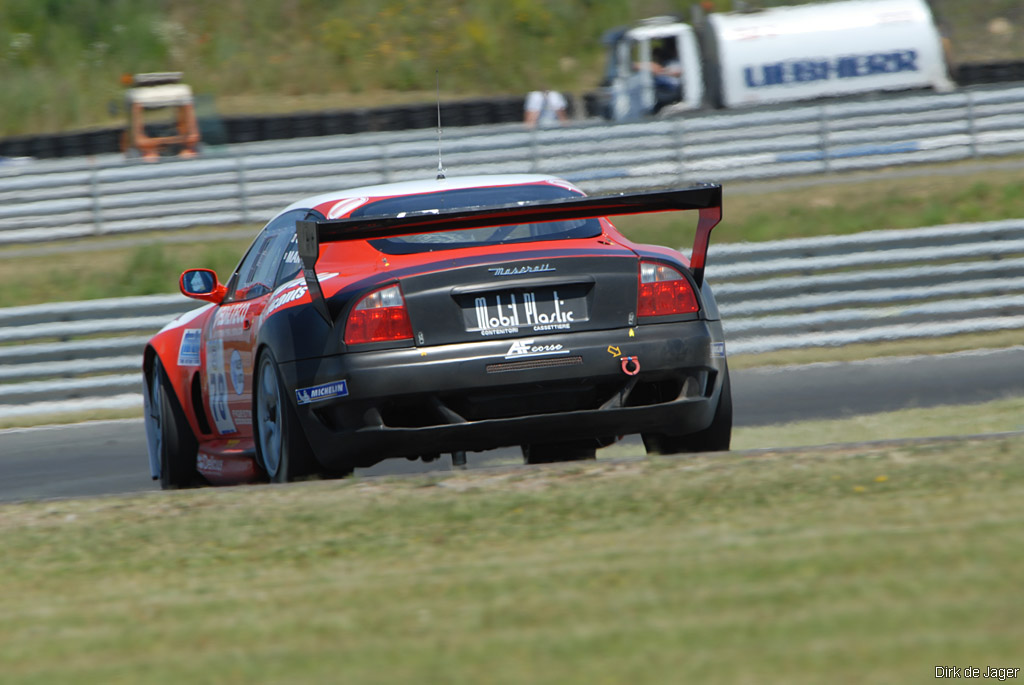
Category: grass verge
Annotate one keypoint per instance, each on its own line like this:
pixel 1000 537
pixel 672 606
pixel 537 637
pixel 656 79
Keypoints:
pixel 898 348
pixel 105 268
pixel 857 565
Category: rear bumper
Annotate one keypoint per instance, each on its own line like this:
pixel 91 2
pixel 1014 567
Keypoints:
pixel 495 393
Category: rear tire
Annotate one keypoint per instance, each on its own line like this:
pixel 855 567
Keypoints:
pixel 548 453
pixel 174 444
pixel 714 438
pixel 281 447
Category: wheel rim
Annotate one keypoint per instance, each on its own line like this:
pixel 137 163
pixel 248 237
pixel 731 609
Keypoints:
pixel 268 411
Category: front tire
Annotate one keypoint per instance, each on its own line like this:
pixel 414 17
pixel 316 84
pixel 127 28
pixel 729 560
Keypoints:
pixel 172 441
pixel 714 438
pixel 281 447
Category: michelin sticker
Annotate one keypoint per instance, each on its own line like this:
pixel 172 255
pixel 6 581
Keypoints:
pixel 188 351
pixel 321 392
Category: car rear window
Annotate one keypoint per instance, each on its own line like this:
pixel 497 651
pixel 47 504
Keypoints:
pixel 466 198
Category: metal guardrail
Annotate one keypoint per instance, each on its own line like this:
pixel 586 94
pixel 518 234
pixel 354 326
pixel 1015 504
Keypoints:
pixel 787 294
pixel 51 199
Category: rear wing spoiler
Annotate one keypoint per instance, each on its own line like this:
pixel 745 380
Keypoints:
pixel 707 198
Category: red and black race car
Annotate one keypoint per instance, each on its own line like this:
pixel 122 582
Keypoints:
pixel 421 318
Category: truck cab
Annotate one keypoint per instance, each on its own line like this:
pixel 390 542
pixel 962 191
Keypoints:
pixel 651 65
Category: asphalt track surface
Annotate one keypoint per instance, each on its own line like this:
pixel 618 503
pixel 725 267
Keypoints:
pixel 109 457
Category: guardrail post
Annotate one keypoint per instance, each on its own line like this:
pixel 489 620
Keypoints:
pixel 823 134
pixel 677 134
pixel 534 151
pixel 385 163
pixel 94 188
pixel 243 194
pixel 972 126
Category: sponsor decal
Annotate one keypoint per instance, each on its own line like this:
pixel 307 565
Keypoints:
pixel 809 70
pixel 237 374
pixel 218 387
pixel 204 462
pixel 321 392
pixel 292 291
pixel 508 317
pixel 232 315
pixel 614 351
pixel 718 349
pixel 286 297
pixel 557 319
pixel 499 332
pixel 525 348
pixel 188 350
pixel 291 256
pixel 516 270
pixel 242 417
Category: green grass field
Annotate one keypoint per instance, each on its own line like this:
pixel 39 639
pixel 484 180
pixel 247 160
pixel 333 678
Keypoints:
pixel 845 566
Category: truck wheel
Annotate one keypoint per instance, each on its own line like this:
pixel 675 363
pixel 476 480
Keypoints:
pixel 547 453
pixel 172 440
pixel 714 438
pixel 281 447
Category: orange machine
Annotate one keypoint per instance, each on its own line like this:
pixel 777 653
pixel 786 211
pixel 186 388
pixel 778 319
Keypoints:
pixel 149 93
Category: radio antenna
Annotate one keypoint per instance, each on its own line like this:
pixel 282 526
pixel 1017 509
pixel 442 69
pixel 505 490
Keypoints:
pixel 440 168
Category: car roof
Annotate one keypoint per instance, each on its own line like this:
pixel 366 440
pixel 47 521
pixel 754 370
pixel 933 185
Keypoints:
pixel 425 186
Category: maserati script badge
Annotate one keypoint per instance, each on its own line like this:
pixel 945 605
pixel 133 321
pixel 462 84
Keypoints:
pixel 530 269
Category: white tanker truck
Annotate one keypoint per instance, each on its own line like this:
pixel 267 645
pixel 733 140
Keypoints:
pixel 772 56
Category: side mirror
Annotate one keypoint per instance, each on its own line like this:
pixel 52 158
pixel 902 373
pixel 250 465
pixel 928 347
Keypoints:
pixel 202 284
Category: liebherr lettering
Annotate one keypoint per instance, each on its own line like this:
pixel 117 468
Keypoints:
pixel 808 70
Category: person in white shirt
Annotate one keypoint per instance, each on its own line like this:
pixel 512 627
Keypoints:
pixel 544 108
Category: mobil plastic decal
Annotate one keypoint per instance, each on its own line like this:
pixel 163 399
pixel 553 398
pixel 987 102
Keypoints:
pixel 845 67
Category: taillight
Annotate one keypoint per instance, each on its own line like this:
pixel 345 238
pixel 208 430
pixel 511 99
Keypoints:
pixel 378 317
pixel 663 290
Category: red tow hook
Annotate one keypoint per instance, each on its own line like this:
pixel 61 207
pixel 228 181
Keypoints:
pixel 635 362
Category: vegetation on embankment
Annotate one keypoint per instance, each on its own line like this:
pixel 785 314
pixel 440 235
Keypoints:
pixel 61 62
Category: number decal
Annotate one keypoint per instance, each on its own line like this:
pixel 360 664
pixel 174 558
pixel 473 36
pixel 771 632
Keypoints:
pixel 218 387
